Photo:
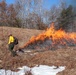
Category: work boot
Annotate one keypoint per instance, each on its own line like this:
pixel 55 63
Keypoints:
pixel 20 50
pixel 14 54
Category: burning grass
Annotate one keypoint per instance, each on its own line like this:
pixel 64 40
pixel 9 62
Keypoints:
pixel 51 39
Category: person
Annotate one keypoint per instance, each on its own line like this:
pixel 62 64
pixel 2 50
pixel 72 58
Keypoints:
pixel 11 44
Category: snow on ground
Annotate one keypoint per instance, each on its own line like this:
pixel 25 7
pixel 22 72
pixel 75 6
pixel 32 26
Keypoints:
pixel 37 70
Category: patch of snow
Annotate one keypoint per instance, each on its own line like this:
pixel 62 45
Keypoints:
pixel 27 51
pixel 46 70
pixel 37 70
pixel 33 54
pixel 0 61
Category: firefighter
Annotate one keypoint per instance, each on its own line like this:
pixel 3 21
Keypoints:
pixel 11 45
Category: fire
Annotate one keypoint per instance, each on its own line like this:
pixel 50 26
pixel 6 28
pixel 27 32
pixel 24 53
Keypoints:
pixel 56 36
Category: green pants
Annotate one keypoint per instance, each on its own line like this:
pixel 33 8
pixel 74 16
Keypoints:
pixel 11 47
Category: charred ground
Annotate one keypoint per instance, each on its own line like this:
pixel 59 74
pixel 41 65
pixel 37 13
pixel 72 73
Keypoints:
pixel 59 57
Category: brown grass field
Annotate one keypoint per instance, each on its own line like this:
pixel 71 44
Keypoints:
pixel 60 57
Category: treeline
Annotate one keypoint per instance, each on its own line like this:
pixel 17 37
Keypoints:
pixel 33 14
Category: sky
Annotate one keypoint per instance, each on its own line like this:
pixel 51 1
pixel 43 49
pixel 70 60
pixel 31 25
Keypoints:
pixel 10 1
pixel 49 3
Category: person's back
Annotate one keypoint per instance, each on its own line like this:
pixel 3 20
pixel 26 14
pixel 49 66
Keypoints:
pixel 15 41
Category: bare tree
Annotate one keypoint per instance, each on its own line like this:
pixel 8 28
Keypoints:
pixel 23 9
pixel 63 4
pixel 8 15
pixel 52 15
pixel 38 6
pixel 26 7
pixel 3 9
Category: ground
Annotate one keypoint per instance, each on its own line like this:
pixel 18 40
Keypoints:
pixel 60 57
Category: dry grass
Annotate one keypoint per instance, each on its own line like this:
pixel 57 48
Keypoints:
pixel 61 57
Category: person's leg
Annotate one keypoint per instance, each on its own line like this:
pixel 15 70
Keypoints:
pixel 11 46
pixel 16 47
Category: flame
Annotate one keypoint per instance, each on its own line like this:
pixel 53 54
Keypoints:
pixel 57 36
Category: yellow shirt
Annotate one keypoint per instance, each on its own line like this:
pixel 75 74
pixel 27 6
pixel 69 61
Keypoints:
pixel 11 39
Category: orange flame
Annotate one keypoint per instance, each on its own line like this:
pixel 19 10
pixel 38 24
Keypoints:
pixel 55 36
